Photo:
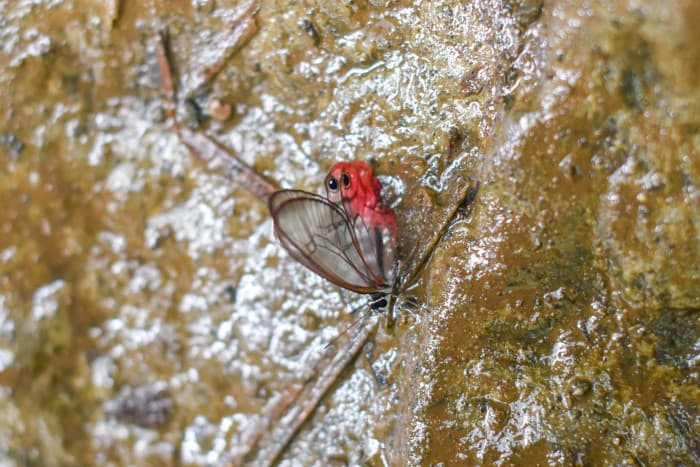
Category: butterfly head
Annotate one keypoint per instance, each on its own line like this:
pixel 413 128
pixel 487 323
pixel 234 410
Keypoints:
pixel 353 182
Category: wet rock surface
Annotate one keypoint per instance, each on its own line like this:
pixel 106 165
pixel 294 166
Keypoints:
pixel 147 313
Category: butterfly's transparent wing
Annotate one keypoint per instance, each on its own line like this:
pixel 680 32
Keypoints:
pixel 377 247
pixel 325 239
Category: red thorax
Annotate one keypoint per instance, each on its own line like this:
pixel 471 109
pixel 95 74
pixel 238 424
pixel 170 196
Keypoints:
pixel 353 184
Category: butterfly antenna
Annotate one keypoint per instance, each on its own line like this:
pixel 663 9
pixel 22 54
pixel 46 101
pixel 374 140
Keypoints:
pixel 347 329
pixel 359 307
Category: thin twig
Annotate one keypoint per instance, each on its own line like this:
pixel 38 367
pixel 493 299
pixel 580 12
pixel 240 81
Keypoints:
pixel 214 155
pixel 276 440
pixel 243 27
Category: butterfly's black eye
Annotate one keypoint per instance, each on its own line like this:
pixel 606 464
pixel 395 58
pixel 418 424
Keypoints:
pixel 332 184
pixel 346 180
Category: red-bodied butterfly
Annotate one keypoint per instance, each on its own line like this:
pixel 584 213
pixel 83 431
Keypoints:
pixel 349 237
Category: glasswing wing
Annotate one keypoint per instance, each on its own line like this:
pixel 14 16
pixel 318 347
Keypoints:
pixel 325 238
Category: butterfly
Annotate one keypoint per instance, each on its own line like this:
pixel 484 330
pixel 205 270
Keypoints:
pixel 348 237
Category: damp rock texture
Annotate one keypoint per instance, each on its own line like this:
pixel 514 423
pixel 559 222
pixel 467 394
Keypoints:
pixel 564 317
pixel 543 162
